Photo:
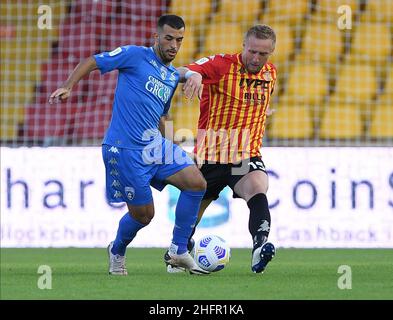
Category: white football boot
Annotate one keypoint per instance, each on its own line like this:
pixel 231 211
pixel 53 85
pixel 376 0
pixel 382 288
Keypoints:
pixel 175 269
pixel 117 263
pixel 183 260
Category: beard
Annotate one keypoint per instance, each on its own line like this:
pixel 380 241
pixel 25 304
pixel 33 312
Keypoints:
pixel 164 55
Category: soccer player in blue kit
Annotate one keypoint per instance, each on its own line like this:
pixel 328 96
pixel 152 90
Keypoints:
pixel 135 153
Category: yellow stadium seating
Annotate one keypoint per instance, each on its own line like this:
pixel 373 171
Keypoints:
pixel 285 43
pixel 242 12
pixel 187 50
pixel 291 122
pixel 322 42
pixel 13 112
pixel 341 121
pixel 11 115
pixel 16 92
pixel 288 11
pixel 371 43
pixel 378 11
pixel 387 94
pixel 26 12
pixel 326 10
pixel 185 115
pixel 24 50
pixel 193 13
pixel 223 38
pixel 382 122
pixel 355 83
pixel 33 33
pixel 20 71
pixel 8 130
pixel 307 83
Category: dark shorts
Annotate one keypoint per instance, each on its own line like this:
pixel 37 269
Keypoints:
pixel 220 175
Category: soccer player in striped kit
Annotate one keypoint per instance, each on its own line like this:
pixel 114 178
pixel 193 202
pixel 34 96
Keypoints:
pixel 237 89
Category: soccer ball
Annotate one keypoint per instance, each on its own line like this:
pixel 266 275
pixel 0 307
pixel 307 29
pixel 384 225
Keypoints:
pixel 211 253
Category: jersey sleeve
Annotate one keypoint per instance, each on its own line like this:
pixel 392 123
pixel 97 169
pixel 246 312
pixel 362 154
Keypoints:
pixel 120 58
pixel 211 68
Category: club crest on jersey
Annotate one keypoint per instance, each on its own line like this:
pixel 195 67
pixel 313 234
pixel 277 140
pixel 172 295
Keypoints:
pixel 130 192
pixel 267 76
pixel 163 73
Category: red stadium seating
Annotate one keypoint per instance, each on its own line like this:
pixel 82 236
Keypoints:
pixel 134 23
pixel 54 73
pixel 87 11
pixel 90 27
pixel 101 88
pixel 93 118
pixel 125 31
pixel 90 121
pixel 78 41
pixel 147 8
pixel 49 121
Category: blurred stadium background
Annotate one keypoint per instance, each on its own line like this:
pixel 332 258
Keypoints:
pixel 335 85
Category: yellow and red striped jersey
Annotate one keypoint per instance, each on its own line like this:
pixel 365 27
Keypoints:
pixel 232 109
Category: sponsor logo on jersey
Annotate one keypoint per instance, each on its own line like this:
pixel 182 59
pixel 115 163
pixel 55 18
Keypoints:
pixel 113 149
pixel 115 183
pixel 253 83
pixel 114 172
pixel 154 63
pixel 117 194
pixel 159 89
pixel 113 161
pixel 255 96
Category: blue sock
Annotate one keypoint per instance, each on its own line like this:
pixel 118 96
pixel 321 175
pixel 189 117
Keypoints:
pixel 128 227
pixel 186 215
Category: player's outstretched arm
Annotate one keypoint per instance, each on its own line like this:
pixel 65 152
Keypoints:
pixel 82 69
pixel 193 82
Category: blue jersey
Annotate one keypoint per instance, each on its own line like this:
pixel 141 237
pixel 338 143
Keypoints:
pixel 145 87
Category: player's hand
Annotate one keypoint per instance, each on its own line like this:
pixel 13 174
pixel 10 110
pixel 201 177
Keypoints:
pixel 59 94
pixel 269 111
pixel 193 86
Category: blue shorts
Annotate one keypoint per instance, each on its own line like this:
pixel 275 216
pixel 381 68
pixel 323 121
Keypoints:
pixel 131 172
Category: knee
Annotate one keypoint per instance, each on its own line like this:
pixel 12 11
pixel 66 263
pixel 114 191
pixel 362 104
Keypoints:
pixel 199 183
pixel 143 216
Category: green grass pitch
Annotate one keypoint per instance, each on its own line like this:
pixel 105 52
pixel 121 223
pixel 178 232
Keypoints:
pixel 293 274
